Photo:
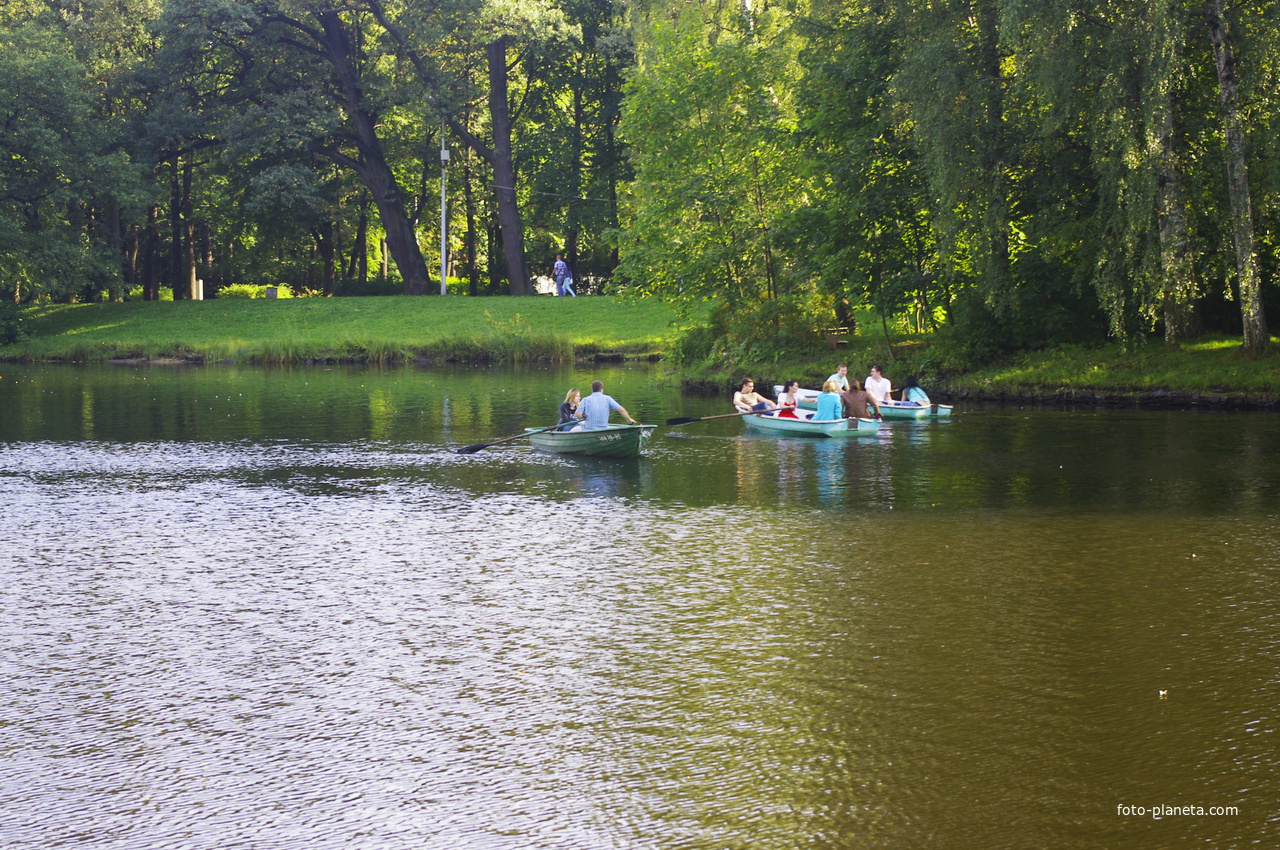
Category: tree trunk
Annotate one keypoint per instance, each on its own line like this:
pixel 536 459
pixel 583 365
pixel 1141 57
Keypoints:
pixel 175 232
pixel 326 248
pixel 358 270
pixel 499 157
pixel 1256 337
pixel 996 216
pixel 211 284
pixel 572 227
pixel 504 172
pixel 1177 267
pixel 494 236
pixel 189 277
pixel 150 259
pixel 473 272
pixel 372 166
pixel 122 248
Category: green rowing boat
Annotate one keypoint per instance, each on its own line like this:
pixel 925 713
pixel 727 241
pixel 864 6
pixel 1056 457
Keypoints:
pixel 614 441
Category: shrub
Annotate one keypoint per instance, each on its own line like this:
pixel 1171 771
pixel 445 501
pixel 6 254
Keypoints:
pixel 10 322
pixel 135 294
pixel 752 333
pixel 252 290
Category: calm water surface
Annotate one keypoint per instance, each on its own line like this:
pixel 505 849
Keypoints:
pixel 274 609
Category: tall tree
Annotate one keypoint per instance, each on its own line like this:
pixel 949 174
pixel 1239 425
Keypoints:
pixel 1256 337
pixel 709 120
pixel 299 74
pixel 571 159
pixel 61 174
pixel 1109 80
pixel 953 81
pixel 419 30
pixel 867 233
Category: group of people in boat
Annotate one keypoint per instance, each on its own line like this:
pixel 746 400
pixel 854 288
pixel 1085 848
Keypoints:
pixel 841 396
pixel 590 413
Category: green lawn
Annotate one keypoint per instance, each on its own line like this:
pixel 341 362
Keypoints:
pixel 383 329
pixel 392 329
pixel 1208 366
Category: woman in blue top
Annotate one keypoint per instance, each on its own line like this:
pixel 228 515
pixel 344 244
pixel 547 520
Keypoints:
pixel 829 403
pixel 911 392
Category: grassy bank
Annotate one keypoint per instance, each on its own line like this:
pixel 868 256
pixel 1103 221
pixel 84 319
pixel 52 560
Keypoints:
pixel 431 329
pixel 384 330
pixel 1210 371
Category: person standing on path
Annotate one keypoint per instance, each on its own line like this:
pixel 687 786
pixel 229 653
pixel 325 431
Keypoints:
pixel 568 282
pixel 559 271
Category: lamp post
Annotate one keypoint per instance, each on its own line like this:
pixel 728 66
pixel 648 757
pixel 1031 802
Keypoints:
pixel 444 229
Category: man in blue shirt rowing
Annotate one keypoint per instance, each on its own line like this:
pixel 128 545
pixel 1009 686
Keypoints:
pixel 594 410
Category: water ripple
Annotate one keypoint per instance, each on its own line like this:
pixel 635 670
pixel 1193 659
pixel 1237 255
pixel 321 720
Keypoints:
pixel 359 646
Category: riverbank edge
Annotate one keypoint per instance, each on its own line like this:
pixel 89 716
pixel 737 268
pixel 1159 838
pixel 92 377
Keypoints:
pixel 423 360
pixel 945 392
pixel 1214 377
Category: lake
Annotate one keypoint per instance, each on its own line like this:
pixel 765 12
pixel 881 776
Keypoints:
pixel 273 608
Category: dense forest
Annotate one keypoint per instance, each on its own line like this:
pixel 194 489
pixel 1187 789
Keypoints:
pixel 1009 172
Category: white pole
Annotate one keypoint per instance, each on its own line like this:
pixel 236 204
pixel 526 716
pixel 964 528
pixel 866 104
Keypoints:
pixel 444 222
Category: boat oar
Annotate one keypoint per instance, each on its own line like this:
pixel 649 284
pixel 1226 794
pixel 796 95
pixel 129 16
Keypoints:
pixel 686 420
pixel 470 450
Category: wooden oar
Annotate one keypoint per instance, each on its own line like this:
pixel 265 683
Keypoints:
pixel 470 450
pixel 685 420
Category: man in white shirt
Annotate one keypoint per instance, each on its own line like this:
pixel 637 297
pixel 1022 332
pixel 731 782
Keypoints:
pixel 878 386
pixel 841 377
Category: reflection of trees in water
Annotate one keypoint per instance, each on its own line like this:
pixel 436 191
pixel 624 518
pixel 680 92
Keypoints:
pixel 1114 460
pixel 753 470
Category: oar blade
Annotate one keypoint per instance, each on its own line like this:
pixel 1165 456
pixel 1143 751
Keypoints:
pixel 470 450
pixel 682 420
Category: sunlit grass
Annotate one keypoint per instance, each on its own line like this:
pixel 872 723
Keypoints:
pixel 1214 365
pixel 380 330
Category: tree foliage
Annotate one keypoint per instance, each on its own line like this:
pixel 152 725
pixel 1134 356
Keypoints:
pixel 1014 172
pixel 1007 173
pixel 709 120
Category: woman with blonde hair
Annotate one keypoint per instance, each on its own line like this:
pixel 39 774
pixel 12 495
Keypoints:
pixel 829 403
pixel 569 408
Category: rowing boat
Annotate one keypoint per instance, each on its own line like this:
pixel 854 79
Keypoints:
pixel 809 427
pixel 614 441
pixel 808 400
